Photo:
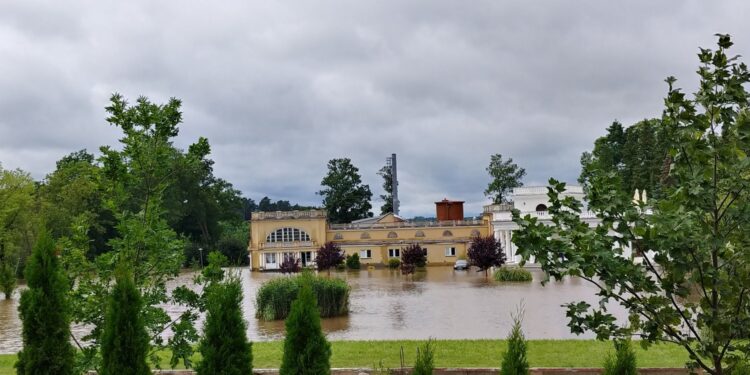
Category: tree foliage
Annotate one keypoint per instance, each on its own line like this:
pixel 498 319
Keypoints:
pixel 636 155
pixel 387 198
pixel 352 262
pixel 329 256
pixel 306 350
pixel 413 256
pixel 19 222
pixel 224 346
pixel 345 197
pixel 691 288
pixel 125 343
pixel 485 252
pixel 45 311
pixel 506 175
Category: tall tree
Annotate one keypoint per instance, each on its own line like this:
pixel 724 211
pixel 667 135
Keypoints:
pixel 306 350
pixel 691 288
pixel 506 175
pixel 45 313
pixel 345 197
pixel 135 179
pixel 387 198
pixel 19 221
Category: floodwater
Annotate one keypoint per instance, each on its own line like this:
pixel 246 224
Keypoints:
pixel 439 303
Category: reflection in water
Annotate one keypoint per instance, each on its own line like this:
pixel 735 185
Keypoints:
pixel 439 302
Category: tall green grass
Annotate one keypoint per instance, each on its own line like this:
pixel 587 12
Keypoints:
pixel 274 298
pixel 512 274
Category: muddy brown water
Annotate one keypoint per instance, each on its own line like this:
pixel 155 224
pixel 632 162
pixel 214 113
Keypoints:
pixel 384 305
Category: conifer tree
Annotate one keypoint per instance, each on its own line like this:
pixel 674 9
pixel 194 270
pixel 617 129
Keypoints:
pixel 44 311
pixel 306 350
pixel 224 347
pixel 514 360
pixel 124 342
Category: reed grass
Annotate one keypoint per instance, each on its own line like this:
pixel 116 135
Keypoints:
pixel 512 274
pixel 274 298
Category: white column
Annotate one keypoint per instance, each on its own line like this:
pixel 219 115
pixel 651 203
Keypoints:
pixel 511 252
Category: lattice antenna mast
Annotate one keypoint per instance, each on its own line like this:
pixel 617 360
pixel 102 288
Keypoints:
pixel 391 162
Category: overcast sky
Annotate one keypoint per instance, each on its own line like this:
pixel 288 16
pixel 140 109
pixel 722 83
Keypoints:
pixel 281 87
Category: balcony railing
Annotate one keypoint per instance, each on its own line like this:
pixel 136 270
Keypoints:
pixel 542 215
pixel 408 224
pixel 503 207
pixel 280 215
pixel 532 190
pixel 276 245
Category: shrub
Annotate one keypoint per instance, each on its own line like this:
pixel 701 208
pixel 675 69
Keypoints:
pixel 306 350
pixel 412 257
pixel 45 312
pixel 329 256
pixel 290 265
pixel 623 362
pixel 514 359
pixel 512 274
pixel 352 262
pixel 124 343
pixel 274 298
pixel 425 359
pixel 394 263
pixel 485 252
pixel 224 348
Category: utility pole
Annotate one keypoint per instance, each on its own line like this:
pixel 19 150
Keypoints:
pixel 394 184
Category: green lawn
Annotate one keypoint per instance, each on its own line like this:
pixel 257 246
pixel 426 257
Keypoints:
pixel 459 353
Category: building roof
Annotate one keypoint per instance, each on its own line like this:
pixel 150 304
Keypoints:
pixel 382 219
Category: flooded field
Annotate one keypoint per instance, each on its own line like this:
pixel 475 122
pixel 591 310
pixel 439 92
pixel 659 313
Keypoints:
pixel 439 303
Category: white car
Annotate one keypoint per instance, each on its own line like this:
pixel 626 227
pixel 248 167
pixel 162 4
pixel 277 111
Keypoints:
pixel 461 265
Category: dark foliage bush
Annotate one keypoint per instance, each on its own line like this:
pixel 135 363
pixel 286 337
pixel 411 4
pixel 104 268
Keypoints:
pixel 485 252
pixel 412 257
pixel 124 342
pixel 290 265
pixel 329 256
pixel 45 313
pixel 352 262
pixel 274 298
pixel 306 350
pixel 224 348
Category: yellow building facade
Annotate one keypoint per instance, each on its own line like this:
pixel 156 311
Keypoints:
pixel 276 236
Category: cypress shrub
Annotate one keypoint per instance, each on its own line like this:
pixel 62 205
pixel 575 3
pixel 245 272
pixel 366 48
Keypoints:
pixel 306 350
pixel 514 360
pixel 224 348
pixel 623 362
pixel 44 310
pixel 274 298
pixel 512 274
pixel 7 277
pixel 124 342
pixel 425 359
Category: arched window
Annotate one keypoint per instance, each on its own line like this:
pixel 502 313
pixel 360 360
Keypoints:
pixel 365 236
pixel 392 235
pixel 288 235
pixel 447 233
pixel 338 236
pixel 541 207
pixel 419 234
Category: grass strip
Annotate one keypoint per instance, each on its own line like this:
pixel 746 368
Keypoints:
pixel 456 353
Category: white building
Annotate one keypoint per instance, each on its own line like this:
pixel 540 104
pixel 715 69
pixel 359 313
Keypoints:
pixel 532 201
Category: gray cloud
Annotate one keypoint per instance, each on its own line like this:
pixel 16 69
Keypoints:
pixel 279 88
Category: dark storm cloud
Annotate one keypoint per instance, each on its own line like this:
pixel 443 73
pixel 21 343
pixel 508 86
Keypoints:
pixel 281 88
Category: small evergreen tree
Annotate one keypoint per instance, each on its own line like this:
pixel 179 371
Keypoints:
pixel 425 359
pixel 623 362
pixel 514 360
pixel 7 277
pixel 45 312
pixel 306 350
pixel 124 342
pixel 225 348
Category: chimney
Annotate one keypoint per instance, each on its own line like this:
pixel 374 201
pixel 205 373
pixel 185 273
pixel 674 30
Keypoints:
pixel 449 210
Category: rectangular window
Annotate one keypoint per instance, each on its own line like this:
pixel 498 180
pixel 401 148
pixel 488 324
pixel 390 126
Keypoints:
pixel 394 253
pixel 271 258
pixel 365 254
pixel 450 251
